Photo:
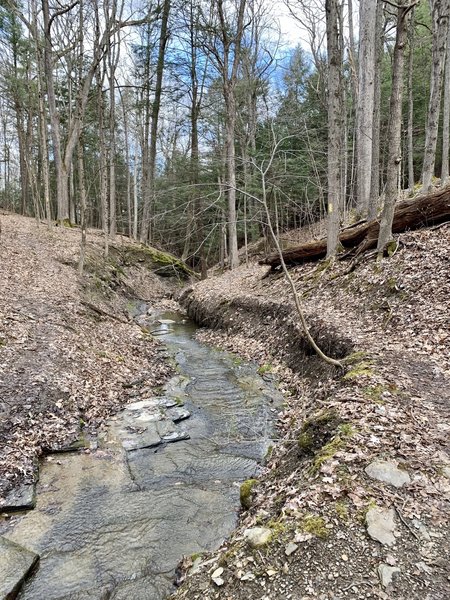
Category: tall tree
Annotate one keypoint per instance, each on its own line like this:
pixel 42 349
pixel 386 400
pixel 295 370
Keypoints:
pixel 149 181
pixel 440 21
pixel 395 130
pixel 366 87
pixel 333 10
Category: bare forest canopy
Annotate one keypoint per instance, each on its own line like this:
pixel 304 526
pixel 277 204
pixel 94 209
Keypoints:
pixel 196 126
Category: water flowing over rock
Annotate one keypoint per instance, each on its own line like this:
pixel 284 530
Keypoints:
pixel 116 522
pixel 16 563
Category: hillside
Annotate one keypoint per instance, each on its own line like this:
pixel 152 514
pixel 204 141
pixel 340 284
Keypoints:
pixel 366 446
pixel 65 364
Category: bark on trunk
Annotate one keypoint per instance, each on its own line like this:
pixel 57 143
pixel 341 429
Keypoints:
pixel 334 52
pixel 148 200
pixel 368 9
pixel 395 132
pixel 440 14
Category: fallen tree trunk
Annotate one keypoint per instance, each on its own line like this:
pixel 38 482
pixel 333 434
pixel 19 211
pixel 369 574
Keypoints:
pixel 409 214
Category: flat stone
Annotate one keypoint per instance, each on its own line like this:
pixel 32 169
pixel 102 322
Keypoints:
pixel 142 405
pixel 258 536
pixel 290 548
pixel 178 414
pixel 386 573
pixel 176 436
pixel 20 498
pixel 381 525
pixel 388 472
pixel 16 563
pixel 145 439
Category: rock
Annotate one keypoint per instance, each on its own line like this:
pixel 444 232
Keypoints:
pixel 145 439
pixel 446 472
pixel 423 531
pixel 388 472
pixel 16 563
pixel 386 573
pixel 176 436
pixel 178 414
pixel 258 536
pixel 290 548
pixel 381 525
pixel 216 577
pixel 20 498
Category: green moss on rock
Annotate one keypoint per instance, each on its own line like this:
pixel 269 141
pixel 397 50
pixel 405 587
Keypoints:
pixel 246 493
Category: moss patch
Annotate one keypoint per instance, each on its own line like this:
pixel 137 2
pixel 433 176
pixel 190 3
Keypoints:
pixel 315 525
pixel 246 493
pixel 317 431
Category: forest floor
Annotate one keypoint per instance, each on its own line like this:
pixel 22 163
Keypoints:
pixel 65 363
pixel 355 499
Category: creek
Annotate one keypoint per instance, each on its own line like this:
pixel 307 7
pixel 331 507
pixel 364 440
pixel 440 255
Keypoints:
pixel 162 484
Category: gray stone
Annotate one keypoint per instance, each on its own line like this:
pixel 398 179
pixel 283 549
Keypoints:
pixel 175 436
pixel 258 536
pixel 386 573
pixel 144 439
pixel 16 563
pixel 178 414
pixel 290 548
pixel 446 472
pixel 381 525
pixel 165 427
pixel 388 472
pixel 20 498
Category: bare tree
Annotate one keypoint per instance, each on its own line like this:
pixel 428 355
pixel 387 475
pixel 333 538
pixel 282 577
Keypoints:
pixel 395 129
pixel 366 83
pixel 150 167
pixel 440 20
pixel 334 51
pixel 224 28
pixel 446 116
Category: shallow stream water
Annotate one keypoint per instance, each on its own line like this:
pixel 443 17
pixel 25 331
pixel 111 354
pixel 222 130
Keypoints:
pixel 163 484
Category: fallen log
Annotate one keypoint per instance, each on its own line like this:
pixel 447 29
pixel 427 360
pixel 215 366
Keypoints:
pixel 409 214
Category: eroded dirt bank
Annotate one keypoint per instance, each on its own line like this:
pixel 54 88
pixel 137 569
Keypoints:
pixel 354 502
pixel 70 355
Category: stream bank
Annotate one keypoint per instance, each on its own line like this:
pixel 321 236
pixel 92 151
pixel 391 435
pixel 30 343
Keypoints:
pixel 355 501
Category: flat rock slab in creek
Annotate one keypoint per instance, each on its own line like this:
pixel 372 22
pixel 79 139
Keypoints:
pixel 21 498
pixel 388 472
pixel 16 563
pixel 114 523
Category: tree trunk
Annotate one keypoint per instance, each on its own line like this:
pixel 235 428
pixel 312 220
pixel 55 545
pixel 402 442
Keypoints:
pixel 148 200
pixel 375 171
pixel 334 52
pixel 440 16
pixel 410 105
pixel 446 117
pixel 409 214
pixel 395 132
pixel 366 79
